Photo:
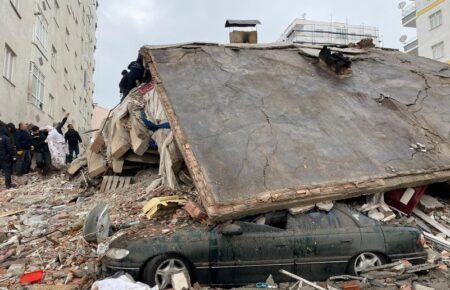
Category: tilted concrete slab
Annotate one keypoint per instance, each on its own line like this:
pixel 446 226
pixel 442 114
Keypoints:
pixel 264 127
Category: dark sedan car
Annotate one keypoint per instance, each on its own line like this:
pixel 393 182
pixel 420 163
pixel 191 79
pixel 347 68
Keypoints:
pixel 314 245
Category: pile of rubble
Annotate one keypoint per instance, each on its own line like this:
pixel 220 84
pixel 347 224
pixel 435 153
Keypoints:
pixel 41 226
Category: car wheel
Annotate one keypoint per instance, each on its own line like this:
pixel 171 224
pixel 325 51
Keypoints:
pixel 160 269
pixel 364 261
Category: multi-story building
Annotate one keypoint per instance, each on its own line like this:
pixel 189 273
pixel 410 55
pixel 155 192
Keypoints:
pixel 330 33
pixel 431 20
pixel 47 60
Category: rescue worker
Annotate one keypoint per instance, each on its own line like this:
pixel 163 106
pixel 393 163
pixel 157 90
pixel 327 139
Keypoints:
pixel 6 157
pixel 73 139
pixel 136 74
pixel 123 85
pixel 41 150
pixel 23 145
pixel 11 131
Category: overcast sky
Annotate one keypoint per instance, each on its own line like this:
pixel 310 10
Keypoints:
pixel 125 26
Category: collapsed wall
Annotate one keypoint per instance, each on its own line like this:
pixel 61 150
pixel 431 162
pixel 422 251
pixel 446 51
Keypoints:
pixel 266 127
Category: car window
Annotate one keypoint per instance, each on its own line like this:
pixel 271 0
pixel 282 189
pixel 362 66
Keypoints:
pixel 363 220
pixel 250 227
pixel 320 220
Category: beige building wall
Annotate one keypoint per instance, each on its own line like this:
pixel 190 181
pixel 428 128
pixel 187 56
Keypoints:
pixel 47 61
pixel 431 20
pixel 98 116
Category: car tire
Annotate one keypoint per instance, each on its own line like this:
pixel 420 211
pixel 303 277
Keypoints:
pixel 168 263
pixel 364 260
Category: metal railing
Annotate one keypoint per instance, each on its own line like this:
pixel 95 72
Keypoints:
pixel 409 9
pixel 411 45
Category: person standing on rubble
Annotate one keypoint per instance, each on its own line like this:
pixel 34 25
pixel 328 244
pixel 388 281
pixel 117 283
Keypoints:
pixel 11 131
pixel 73 139
pixel 6 157
pixel 41 150
pixel 136 74
pixel 23 142
pixel 123 85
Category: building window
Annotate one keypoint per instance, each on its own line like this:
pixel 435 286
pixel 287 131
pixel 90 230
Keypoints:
pixel 8 66
pixel 54 58
pixel 436 19
pixel 41 31
pixel 342 33
pixel 37 86
pixel 438 50
pixel 51 105
pixel 85 80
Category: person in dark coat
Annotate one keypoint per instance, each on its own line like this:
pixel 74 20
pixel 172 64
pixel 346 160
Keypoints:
pixel 123 85
pixel 11 131
pixel 23 141
pixel 61 124
pixel 73 139
pixel 136 74
pixel 6 157
pixel 41 150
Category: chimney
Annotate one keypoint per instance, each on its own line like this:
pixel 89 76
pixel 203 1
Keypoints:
pixel 243 31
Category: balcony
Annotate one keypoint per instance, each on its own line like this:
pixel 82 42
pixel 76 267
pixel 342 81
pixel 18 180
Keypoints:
pixel 409 15
pixel 412 47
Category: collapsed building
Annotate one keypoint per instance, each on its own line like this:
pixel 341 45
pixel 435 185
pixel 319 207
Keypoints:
pixel 268 127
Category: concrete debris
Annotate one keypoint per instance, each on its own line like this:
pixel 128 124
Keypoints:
pixel 325 206
pixel 428 204
pixel 195 211
pixel 180 281
pixel 300 209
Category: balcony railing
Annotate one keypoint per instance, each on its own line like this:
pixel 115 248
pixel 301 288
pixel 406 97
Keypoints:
pixel 408 10
pixel 410 46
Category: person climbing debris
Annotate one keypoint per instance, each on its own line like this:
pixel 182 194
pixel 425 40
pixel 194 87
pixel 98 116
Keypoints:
pixel 123 85
pixel 73 139
pixel 41 150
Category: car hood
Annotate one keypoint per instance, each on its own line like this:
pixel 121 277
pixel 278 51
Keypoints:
pixel 145 244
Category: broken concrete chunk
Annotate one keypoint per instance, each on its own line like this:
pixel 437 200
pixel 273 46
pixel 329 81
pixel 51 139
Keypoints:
pixel 180 281
pixel 195 211
pixel 417 286
pixel 300 209
pixel 376 215
pixel 325 206
pixel 16 269
pixel 428 204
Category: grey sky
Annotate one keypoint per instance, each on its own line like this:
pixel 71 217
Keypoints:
pixel 125 26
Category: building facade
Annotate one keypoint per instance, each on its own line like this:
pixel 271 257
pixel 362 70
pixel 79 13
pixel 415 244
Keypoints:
pixel 47 60
pixel 431 20
pixel 99 114
pixel 330 33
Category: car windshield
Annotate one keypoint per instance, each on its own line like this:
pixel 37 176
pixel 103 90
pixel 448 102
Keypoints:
pixel 317 219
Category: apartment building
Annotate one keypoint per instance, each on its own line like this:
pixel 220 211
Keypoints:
pixel 431 20
pixel 330 33
pixel 47 57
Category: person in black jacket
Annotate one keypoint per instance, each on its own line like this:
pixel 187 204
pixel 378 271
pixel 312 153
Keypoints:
pixel 41 150
pixel 73 138
pixel 136 74
pixel 23 146
pixel 123 85
pixel 6 157
pixel 61 124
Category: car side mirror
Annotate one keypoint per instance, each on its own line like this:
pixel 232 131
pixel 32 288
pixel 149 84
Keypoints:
pixel 231 230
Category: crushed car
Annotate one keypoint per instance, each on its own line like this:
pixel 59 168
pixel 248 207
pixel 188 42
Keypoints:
pixel 314 245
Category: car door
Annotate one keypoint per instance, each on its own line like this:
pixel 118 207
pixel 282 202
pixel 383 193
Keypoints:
pixel 324 243
pixel 255 254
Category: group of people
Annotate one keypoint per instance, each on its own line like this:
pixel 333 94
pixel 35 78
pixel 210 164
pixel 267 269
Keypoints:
pixel 135 75
pixel 47 146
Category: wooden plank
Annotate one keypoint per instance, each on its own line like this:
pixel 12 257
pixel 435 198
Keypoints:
pixel 108 185
pixel 121 182
pixel 127 182
pixel 104 182
pixel 432 222
pixel 114 183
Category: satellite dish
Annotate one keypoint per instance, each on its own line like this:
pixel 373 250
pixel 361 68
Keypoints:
pixel 403 38
pixel 304 16
pixel 401 5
